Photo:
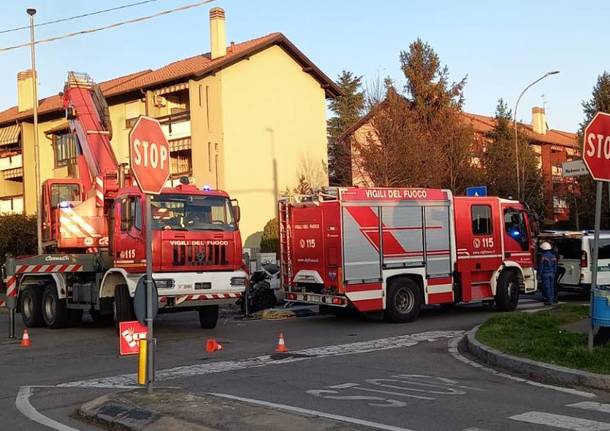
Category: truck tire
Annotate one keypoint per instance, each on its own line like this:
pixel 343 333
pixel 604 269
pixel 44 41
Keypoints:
pixel 123 305
pixel 208 316
pixel 54 312
pixel 404 300
pixel 507 291
pixel 31 307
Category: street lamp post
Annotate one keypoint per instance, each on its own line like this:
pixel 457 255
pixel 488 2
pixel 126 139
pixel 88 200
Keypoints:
pixel 31 13
pixel 554 72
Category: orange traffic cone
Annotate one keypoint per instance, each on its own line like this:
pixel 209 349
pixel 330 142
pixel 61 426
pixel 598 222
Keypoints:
pixel 212 345
pixel 25 340
pixel 281 344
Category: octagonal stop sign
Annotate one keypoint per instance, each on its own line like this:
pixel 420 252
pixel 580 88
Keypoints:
pixel 149 155
pixel 596 149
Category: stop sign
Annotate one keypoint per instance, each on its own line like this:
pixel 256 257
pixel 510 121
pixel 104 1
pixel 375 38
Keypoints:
pixel 149 155
pixel 596 149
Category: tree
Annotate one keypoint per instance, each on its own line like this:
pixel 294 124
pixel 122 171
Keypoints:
pixel 582 206
pixel 347 109
pixel 419 138
pixel 17 235
pixel 499 162
pixel 270 241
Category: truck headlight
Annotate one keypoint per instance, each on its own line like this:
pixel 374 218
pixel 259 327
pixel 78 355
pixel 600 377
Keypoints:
pixel 238 281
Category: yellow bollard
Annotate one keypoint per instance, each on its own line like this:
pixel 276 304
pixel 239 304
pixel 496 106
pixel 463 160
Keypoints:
pixel 142 362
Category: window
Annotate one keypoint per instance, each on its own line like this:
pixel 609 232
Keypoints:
pixel 64 193
pixel 514 224
pixel 569 248
pixel 192 212
pixel 64 149
pixel 180 163
pixel 131 214
pixel 604 248
pixel 481 219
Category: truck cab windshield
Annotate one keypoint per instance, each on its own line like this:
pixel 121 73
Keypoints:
pixel 187 212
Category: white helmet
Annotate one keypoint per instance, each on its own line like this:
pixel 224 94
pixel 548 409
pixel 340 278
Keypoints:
pixel 545 246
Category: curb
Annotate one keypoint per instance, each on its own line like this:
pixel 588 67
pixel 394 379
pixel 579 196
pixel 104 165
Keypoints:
pixel 533 369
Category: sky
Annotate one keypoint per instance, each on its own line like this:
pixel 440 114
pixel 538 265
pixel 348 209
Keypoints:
pixel 500 46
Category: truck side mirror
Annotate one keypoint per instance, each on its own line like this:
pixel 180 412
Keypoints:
pixel 236 210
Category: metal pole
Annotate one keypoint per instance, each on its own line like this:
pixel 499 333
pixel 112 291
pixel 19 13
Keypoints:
pixel 598 216
pixel 150 374
pixel 515 126
pixel 31 13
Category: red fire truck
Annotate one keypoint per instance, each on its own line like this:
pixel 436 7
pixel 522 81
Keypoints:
pixel 395 249
pixel 94 236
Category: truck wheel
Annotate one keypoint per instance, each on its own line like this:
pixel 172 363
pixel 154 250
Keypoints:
pixel 123 305
pixel 403 301
pixel 208 316
pixel 54 312
pixel 31 307
pixel 507 291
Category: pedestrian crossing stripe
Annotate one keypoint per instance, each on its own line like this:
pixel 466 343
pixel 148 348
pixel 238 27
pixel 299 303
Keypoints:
pixel 561 421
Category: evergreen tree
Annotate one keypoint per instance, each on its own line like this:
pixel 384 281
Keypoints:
pixel 499 162
pixel 347 109
pixel 582 204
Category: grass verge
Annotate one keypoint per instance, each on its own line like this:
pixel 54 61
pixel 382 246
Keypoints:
pixel 540 336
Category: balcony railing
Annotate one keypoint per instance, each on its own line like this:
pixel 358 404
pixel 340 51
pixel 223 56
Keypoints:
pixel 11 160
pixel 15 174
pixel 176 126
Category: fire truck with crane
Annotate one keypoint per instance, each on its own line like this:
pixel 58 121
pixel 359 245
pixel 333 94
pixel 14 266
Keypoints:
pixel 393 250
pixel 94 242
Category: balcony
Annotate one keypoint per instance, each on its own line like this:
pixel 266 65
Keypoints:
pixel 11 165
pixel 177 129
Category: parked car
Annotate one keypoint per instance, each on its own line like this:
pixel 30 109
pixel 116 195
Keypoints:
pixel 575 253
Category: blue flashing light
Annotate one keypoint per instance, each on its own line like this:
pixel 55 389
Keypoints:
pixel 206 188
pixel 515 233
pixel 64 204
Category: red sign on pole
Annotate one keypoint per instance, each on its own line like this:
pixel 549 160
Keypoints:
pixel 596 150
pixel 130 334
pixel 149 155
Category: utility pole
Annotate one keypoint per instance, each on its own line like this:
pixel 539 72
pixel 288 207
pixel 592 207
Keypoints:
pixel 31 12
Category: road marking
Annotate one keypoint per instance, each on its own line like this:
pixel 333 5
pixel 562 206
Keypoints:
pixel 309 412
pixel 23 405
pixel 561 421
pixel 266 360
pixel 453 350
pixel 592 405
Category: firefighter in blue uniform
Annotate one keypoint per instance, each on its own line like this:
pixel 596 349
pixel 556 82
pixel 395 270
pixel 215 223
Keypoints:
pixel 547 269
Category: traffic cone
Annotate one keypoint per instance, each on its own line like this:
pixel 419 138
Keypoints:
pixel 25 340
pixel 281 344
pixel 212 345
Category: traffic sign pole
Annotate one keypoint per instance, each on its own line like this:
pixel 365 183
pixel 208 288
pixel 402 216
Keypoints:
pixel 150 352
pixel 598 217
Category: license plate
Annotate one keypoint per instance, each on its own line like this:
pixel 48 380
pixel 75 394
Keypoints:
pixel 203 286
pixel 314 299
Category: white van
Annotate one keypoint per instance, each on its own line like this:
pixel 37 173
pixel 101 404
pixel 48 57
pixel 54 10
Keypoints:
pixel 575 256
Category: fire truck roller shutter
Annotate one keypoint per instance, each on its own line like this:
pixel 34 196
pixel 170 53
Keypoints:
pixel 438 254
pixel 403 243
pixel 360 244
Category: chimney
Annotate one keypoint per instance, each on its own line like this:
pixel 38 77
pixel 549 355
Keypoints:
pixel 24 90
pixel 539 120
pixel 218 37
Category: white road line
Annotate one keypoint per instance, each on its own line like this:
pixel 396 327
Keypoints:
pixel 309 412
pixel 592 405
pixel 23 405
pixel 266 360
pixel 453 350
pixel 561 421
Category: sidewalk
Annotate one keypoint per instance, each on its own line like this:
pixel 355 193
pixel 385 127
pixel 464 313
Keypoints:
pixel 176 409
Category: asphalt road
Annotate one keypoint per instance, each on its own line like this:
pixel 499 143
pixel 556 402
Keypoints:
pixel 397 377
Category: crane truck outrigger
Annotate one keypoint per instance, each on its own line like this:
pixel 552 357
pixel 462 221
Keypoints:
pixel 94 242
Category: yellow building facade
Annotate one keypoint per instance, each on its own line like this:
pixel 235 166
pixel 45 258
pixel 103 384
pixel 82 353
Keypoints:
pixel 248 118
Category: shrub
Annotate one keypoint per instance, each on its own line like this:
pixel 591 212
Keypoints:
pixel 17 235
pixel 270 242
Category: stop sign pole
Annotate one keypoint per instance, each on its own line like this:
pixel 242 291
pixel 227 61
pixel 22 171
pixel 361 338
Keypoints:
pixel 149 157
pixel 596 155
